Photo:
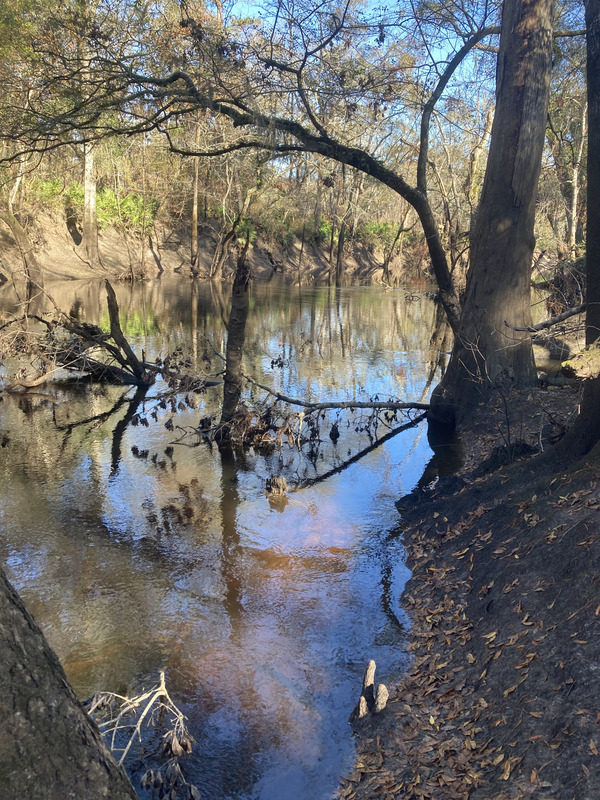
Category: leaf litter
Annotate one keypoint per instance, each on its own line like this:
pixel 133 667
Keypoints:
pixel 500 701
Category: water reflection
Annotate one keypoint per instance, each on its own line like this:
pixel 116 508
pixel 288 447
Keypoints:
pixel 138 552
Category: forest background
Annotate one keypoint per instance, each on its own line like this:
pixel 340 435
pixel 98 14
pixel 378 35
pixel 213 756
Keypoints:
pixel 82 154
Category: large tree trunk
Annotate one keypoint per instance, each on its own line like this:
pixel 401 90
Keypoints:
pixel 585 433
pixel 49 747
pixel 236 336
pixel 486 353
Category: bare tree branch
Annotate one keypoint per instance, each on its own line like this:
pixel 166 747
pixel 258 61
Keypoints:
pixel 571 312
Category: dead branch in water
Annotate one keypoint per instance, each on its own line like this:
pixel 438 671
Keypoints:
pixel 128 717
pixel 383 405
pixel 78 347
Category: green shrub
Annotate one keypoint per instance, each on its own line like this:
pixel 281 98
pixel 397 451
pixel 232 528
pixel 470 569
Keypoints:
pixel 47 192
pixel 377 234
pixel 74 196
pixel 138 212
pixel 246 230
pixel 132 210
pixel 320 235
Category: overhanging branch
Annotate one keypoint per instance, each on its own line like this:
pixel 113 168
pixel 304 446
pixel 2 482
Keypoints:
pixel 548 323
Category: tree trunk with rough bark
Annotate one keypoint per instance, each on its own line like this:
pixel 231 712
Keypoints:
pixel 49 747
pixel 236 336
pixel 90 219
pixel 486 354
pixel 585 433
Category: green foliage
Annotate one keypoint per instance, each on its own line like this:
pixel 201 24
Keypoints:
pixel 133 324
pixel 138 212
pixel 320 235
pixel 246 230
pixel 74 195
pixel 47 192
pixel 278 226
pixel 131 211
pixel 378 234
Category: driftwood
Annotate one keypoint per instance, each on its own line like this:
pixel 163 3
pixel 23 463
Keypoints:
pixel 73 351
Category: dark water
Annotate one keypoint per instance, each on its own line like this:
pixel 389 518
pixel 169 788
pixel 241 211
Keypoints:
pixel 262 616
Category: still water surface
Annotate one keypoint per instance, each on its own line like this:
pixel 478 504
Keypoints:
pixel 138 550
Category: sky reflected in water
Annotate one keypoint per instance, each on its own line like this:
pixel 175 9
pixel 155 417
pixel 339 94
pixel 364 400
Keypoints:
pixel 136 559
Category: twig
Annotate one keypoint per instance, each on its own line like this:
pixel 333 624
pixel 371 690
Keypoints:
pixel 178 738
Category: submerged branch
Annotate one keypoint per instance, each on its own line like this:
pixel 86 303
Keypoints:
pixel 361 454
pixel 391 405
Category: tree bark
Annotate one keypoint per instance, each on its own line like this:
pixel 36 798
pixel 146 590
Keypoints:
pixel 236 336
pixel 585 433
pixel 90 219
pixel 49 747
pixel 486 354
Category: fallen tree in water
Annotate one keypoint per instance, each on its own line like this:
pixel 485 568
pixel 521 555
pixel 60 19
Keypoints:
pixel 75 346
pixel 57 342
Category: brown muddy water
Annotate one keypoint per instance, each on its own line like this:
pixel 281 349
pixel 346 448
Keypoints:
pixel 140 549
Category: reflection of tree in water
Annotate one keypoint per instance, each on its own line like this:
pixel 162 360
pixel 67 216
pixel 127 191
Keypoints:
pixel 230 542
pixel 184 510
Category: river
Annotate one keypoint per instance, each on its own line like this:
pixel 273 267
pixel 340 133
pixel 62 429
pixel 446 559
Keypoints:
pixel 139 548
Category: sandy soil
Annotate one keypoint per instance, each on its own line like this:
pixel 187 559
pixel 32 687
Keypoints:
pixel 168 251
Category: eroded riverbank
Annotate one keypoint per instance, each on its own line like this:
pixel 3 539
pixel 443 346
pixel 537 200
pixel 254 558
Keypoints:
pixel 500 700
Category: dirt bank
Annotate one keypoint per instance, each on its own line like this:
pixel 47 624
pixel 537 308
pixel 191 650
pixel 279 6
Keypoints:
pixel 167 250
pixel 501 699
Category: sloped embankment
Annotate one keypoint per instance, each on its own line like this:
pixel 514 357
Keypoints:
pixel 501 698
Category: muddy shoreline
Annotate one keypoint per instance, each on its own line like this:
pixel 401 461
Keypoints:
pixel 500 701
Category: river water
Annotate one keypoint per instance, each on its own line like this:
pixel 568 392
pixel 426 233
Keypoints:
pixel 139 548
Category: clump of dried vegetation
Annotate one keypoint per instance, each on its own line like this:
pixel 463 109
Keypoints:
pixel 148 727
